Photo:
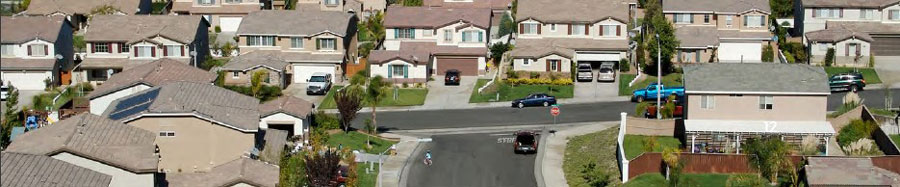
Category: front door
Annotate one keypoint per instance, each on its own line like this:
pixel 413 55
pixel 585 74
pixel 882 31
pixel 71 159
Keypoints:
pixel 852 49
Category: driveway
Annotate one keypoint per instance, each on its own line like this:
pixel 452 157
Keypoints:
pixel 299 90
pixel 472 160
pixel 888 68
pixel 25 97
pixel 449 97
pixel 595 91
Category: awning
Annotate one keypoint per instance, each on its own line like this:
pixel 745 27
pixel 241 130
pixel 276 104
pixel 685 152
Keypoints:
pixel 751 126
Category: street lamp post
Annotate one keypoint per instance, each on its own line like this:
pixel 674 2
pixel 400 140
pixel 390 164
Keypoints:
pixel 658 76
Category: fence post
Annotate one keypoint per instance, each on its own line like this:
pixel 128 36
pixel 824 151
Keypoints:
pixel 623 161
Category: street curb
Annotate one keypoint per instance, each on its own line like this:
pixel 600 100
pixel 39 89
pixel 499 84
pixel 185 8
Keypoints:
pixel 539 160
pixel 499 104
pixel 409 161
pixel 475 130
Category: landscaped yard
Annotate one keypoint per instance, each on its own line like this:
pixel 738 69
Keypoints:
pixel 406 97
pixel 698 180
pixel 45 100
pixel 357 141
pixel 599 148
pixel 367 179
pixel 896 139
pixel 673 79
pixel 868 73
pixel 509 92
pixel 624 79
pixel 635 144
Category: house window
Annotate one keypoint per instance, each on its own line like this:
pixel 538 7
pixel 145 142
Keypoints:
pixel 101 47
pixel 472 36
pixel 428 32
pixel 610 30
pixel 232 1
pixel 406 33
pixel 705 18
pixel 7 50
pixel 866 13
pixel 296 42
pixel 331 2
pixel 123 48
pixel 260 40
pixel 894 14
pixel 728 20
pixel 397 70
pixel 766 102
pixel 37 50
pixel 684 18
pixel 527 61
pixel 235 74
pixel 577 29
pixel 206 2
pixel 173 50
pixel 553 27
pixel 707 102
pixel 529 28
pixel 823 46
pixel 144 51
pixel 326 43
pixel 167 133
pixel 754 21
pixel 828 12
pixel 448 35
pixel 554 65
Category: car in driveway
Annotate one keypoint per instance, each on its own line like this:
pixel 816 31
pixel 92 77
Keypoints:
pixel 451 77
pixel 585 73
pixel 606 73
pixel 538 99
pixel 318 84
pixel 526 142
pixel 847 81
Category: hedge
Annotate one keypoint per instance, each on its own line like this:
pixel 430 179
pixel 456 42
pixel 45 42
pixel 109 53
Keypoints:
pixel 565 81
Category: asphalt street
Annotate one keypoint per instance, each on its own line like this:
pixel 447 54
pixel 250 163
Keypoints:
pixel 871 98
pixel 472 160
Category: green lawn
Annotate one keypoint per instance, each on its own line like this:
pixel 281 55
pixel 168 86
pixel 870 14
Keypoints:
pixel 509 92
pixel 366 179
pixel 634 144
pixel 406 97
pixel 673 79
pixel 357 141
pixel 599 148
pixel 698 180
pixel 624 79
pixel 882 112
pixel 45 100
pixel 896 139
pixel 868 73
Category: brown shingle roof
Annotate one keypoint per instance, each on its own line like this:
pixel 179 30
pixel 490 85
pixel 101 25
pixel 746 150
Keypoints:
pixel 491 4
pixel 241 170
pixel 836 35
pixel 222 9
pixel 443 49
pixel 141 27
pixel 305 23
pixel 22 29
pixel 729 6
pixel 697 36
pixel 849 3
pixel 69 7
pixel 434 17
pixel 566 47
pixel 567 11
pixel 824 171
pixel 286 104
pixel 419 57
pixel 257 58
pixel 866 27
pixel 275 141
pixel 152 74
pixel 27 64
pixel 113 63
pixel 25 170
pixel 96 138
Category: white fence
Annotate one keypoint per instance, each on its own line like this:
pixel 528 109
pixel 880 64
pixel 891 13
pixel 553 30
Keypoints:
pixel 620 155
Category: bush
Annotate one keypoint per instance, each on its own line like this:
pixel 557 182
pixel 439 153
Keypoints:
pixel 862 147
pixel 624 66
pixel 218 29
pixel 510 74
pixel 744 180
pixel 871 61
pixel 857 129
pixel 266 92
pixel 829 57
pixel 767 55
pixel 497 51
pixel 326 121
pixel 559 82
pixel 641 108
pixel 534 75
pixel 789 57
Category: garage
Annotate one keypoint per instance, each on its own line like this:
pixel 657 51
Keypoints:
pixel 302 72
pixel 466 66
pixel 736 52
pixel 886 45
pixel 26 80
pixel 229 24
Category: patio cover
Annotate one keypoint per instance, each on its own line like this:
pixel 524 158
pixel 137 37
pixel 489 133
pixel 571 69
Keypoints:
pixel 758 126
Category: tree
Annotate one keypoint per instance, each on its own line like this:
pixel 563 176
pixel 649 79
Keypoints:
pixel 293 171
pixel 348 103
pixel 666 43
pixel 10 115
pixel 594 175
pixel 768 155
pixel 375 26
pixel 375 92
pixel 322 167
pixel 674 165
pixel 768 54
pixel 497 51
pixel 507 26
pixel 412 3
pixel 256 82
pixel 782 8
pixel 829 57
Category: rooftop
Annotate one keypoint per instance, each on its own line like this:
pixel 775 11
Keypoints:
pixel 130 29
pixel 827 171
pixel 759 126
pixel 865 27
pixel 290 105
pixel 492 4
pixel 836 35
pixel 749 78
pixel 188 6
pixel 850 3
pixel 21 29
pixel 567 11
pixel 241 170
pixel 697 36
pixel 302 23
pixel 566 47
pixel 258 58
pixel 39 170
pixel 70 7
pixel 152 74
pixel 434 17
pixel 27 64
pixel 726 6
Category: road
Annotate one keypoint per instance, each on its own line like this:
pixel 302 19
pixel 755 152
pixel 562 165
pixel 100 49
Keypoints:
pixel 872 98
pixel 472 160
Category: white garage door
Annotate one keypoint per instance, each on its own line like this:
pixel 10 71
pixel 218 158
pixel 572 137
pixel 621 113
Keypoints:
pixel 733 52
pixel 26 80
pixel 302 72
pixel 229 24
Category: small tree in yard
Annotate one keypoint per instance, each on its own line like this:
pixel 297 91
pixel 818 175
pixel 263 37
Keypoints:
pixel 10 115
pixel 769 156
pixel 674 165
pixel 594 175
pixel 256 82
pixel 497 51
pixel 376 90
pixel 829 57
pixel 768 55
pixel 322 168
pixel 348 103
pixel 292 172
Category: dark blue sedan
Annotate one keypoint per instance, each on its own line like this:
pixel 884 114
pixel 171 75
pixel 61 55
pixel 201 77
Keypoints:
pixel 538 99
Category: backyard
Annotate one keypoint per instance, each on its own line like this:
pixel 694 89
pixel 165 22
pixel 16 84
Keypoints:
pixel 635 145
pixel 405 97
pixel 673 79
pixel 598 148
pixel 510 92
pixel 698 180
pixel 868 73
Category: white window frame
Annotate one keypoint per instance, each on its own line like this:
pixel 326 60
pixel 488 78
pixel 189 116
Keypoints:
pixel 608 30
pixel 578 29
pixel 148 53
pixel 324 46
pixel 530 28
pixel 175 49
pixel 527 62
pixel 554 65
pixel 397 70
pixel 235 74
pixel 448 35
pixel 405 33
pixel 683 18
pixel 124 48
pixel 260 41
pixel 706 18
pixel 295 44
pixel 98 46
pixel 707 102
pixel 896 14
pixel 232 1
pixel 866 13
pixel 331 2
pixel 754 21
pixel 428 32
pixel 766 102
pixel 729 20
pixel 167 134
pixel 553 27
pixel 206 2
pixel 472 36
pixel 8 50
pixel 38 50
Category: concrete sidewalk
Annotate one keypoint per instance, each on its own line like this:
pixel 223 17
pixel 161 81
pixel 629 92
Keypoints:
pixel 393 168
pixel 553 152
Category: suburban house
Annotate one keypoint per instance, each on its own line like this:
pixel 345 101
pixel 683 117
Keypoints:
pixel 225 14
pixel 117 43
pixel 286 113
pixel 143 77
pixel 851 171
pixel 312 41
pixel 240 69
pixel 729 103
pixel 40 170
pixel 78 12
pixel 719 31
pixel 126 153
pixel 854 29
pixel 499 8
pixel 554 35
pixel 436 39
pixel 200 125
pixel 34 50
pixel 238 172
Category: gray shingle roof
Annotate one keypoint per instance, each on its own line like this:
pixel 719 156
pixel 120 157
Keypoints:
pixel 189 7
pixel 730 6
pixel 153 74
pixel 223 106
pixel 434 17
pixel 566 47
pixel 253 59
pixel 416 56
pixel 302 23
pixel 140 27
pixel 567 11
pixel 697 36
pixel 865 26
pixel 290 105
pixel 25 170
pixel 22 29
pixel 69 7
pixel 825 171
pixel 275 141
pixel 849 3
pixel 241 170
pixel 96 138
pixel 755 78
pixel 492 4
pixel 836 35
pixel 27 64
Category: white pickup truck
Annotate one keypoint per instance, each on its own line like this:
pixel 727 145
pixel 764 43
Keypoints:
pixel 585 73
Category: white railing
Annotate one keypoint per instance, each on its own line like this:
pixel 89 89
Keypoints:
pixel 623 161
pixel 496 75
pixel 781 57
pixel 630 84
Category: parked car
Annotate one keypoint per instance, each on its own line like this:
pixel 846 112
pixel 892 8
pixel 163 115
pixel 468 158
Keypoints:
pixel 607 73
pixel 318 83
pixel 4 92
pixel 650 92
pixel 526 141
pixel 847 81
pixel 585 73
pixel 451 77
pixel 538 99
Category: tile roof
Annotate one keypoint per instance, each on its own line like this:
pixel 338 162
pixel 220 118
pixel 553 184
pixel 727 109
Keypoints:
pixel 567 11
pixel 69 7
pixel 21 29
pixel 25 170
pixel 492 4
pixel 736 34
pixel 728 6
pixel 152 74
pixel 221 9
pixel 420 57
pixel 697 36
pixel 302 23
pixel 137 28
pixel 866 27
pixel 434 17
pixel 241 170
pixel 290 105
pixel 96 138
pixel 828 171
pixel 27 64
pixel 275 141
pixel 443 49
pixel 836 35
pixel 756 77
pixel 222 106
pixel 257 58
pixel 566 47
pixel 850 3
pixel 116 63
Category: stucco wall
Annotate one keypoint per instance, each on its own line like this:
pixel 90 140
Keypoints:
pixel 100 104
pixel 746 107
pixel 414 71
pixel 541 64
pixel 282 119
pixel 120 177
pixel 244 77
pixel 562 30
pixel 198 145
pixel 284 43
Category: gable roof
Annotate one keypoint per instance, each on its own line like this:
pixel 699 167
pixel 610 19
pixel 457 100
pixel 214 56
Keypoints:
pixel 69 7
pixel 843 171
pixel 302 23
pixel 290 105
pixel 13 63
pixel 849 3
pixel 274 142
pixel 257 58
pixel 241 170
pixel 768 78
pixel 492 4
pixel 39 170
pixel 188 6
pixel 434 17
pixel 566 47
pixel 724 6
pixel 131 29
pixel 152 74
pixel 836 35
pixel 202 100
pixel 21 29
pixel 96 138
pixel 412 56
pixel 567 11
pixel 697 36
pixel 865 26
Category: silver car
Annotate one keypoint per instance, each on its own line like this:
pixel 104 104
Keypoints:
pixel 607 73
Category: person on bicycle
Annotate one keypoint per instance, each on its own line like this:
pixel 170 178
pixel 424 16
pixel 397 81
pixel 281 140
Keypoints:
pixel 428 156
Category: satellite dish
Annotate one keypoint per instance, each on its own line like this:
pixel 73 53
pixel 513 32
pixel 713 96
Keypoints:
pixel 109 72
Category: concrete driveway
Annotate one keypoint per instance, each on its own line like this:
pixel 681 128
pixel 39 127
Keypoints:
pixel 888 68
pixel 449 97
pixel 595 91
pixel 299 90
pixel 25 97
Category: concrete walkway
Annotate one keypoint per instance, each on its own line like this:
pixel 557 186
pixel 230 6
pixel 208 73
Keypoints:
pixel 553 152
pixel 888 68
pixel 393 168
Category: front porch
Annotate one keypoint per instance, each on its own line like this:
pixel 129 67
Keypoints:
pixel 726 136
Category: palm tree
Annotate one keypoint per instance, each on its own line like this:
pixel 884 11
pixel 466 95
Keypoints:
pixel 375 92
pixel 768 155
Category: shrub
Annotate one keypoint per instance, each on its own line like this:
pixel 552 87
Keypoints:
pixel 857 129
pixel 497 51
pixel 871 61
pixel 744 180
pixel 545 81
pixel 510 74
pixel 420 85
pixel 218 29
pixel 405 85
pixel 767 55
pixel 829 57
pixel 862 147
pixel 641 108
pixel 534 75
pixel 809 145
pixel 326 121
pixel 624 66
pixel 789 57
